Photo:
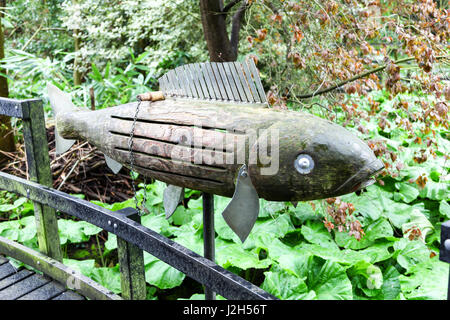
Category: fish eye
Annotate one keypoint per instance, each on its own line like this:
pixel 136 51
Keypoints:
pixel 304 163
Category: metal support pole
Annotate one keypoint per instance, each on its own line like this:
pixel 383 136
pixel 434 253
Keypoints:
pixel 209 235
pixel 131 262
pixel 36 148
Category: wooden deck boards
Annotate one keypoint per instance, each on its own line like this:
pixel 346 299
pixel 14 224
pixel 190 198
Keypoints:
pixel 24 284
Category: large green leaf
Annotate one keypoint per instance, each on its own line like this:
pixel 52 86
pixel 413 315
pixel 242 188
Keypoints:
pixel 270 208
pixel 377 252
pixel 232 254
pixel 436 190
pixel 111 242
pixel 89 229
pixel 303 211
pixel 371 277
pixel 426 280
pixel 378 229
pixel 406 192
pixel 409 253
pixel 329 282
pixel 73 231
pixel 10 207
pixel 316 233
pixel 22 230
pixel 444 209
pixel 156 222
pixel 275 247
pixel 107 277
pixel 83 266
pixel 160 274
pixel 275 228
pixel 420 221
pixel 296 264
pixel 390 289
pixel 285 286
pixel 346 257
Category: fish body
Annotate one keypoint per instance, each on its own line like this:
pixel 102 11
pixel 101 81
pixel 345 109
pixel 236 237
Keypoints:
pixel 201 145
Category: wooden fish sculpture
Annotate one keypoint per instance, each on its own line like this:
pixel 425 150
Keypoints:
pixel 212 131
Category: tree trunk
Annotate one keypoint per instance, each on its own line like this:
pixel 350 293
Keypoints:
pixel 6 132
pixel 215 29
pixel 76 63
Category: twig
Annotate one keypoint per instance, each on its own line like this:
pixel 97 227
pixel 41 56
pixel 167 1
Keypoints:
pixel 100 251
pixel 32 37
pixel 236 25
pixel 359 76
pixel 230 5
pixel 70 172
pixel 70 151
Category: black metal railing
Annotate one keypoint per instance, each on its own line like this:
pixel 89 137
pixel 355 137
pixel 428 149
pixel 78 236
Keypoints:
pixel 444 252
pixel 132 236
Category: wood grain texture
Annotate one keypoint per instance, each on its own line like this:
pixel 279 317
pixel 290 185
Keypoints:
pixel 201 145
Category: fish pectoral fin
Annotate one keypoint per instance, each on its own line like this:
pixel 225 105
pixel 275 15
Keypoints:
pixel 243 209
pixel 113 164
pixel 62 145
pixel 172 196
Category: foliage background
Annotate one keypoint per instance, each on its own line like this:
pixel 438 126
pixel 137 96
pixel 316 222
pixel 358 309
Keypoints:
pixel 379 244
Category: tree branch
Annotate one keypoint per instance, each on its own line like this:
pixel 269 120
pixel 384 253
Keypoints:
pixel 215 31
pixel 236 25
pixel 230 5
pixel 358 76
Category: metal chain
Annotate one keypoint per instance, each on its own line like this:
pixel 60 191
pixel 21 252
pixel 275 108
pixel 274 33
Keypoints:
pixel 141 209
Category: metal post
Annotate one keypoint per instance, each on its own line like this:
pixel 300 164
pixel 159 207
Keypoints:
pixel 131 262
pixel 208 235
pixel 36 148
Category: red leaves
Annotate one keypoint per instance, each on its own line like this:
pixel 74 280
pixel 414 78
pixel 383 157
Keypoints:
pixel 393 83
pixel 261 35
pixel 414 233
pixel 297 59
pixel 438 113
pixel 312 46
pixel 377 147
pixel 383 123
pixel 274 99
pixel 298 34
pixel 421 181
pixel 340 212
pixel 277 18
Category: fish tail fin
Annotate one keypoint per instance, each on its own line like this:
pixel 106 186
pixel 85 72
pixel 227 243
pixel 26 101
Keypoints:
pixel 60 102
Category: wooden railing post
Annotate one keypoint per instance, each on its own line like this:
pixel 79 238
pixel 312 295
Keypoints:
pixel 36 148
pixel 131 261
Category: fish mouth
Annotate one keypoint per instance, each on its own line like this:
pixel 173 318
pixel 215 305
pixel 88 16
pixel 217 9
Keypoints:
pixel 362 178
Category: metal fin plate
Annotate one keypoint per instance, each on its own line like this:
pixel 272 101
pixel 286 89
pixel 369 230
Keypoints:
pixel 172 197
pixel 225 81
pixel 243 209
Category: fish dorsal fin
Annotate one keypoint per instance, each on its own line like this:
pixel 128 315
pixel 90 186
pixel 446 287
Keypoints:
pixel 237 82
